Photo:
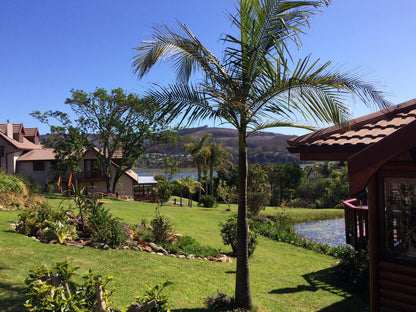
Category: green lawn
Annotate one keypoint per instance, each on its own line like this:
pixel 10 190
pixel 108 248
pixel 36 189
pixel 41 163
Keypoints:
pixel 283 277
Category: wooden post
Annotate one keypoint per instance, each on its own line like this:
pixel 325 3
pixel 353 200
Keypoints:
pixel 373 243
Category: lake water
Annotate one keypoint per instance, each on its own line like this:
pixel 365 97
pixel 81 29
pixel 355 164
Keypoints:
pixel 331 232
pixel 152 172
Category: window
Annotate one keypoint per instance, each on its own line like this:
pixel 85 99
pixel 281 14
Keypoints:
pixel 39 165
pixel 400 217
pixel 92 168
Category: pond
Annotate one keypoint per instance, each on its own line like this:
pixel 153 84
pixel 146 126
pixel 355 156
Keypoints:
pixel 331 232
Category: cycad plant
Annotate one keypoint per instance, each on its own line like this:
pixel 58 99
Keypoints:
pixel 257 85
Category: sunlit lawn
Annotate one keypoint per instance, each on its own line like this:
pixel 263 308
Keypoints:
pixel 283 277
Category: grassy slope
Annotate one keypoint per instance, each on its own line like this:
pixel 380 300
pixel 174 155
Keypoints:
pixel 283 277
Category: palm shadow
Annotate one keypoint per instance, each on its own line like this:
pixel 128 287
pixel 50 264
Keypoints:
pixel 329 280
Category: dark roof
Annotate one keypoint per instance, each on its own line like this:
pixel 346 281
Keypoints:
pixel 334 143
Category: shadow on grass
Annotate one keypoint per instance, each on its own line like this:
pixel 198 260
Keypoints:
pixel 329 280
pixel 12 298
pixel 190 310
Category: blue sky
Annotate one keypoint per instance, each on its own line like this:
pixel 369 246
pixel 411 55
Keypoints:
pixel 49 47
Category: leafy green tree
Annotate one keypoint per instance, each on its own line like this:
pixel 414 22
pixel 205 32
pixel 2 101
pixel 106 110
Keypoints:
pixel 227 193
pixel 171 168
pixel 106 124
pixel 255 86
pixel 163 189
pixel 284 179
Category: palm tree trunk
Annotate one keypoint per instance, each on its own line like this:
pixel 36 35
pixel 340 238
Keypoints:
pixel 199 180
pixel 242 283
pixel 211 177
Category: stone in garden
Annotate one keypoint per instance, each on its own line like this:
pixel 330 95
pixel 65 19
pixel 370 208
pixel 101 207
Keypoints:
pixel 190 256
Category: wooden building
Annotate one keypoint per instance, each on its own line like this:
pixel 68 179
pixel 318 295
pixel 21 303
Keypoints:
pixel 381 152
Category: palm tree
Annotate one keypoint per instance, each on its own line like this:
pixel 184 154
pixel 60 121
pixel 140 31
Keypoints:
pixel 198 156
pixel 256 86
pixel 192 186
pixel 217 157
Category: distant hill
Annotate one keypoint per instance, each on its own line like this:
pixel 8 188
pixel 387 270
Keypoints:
pixel 263 147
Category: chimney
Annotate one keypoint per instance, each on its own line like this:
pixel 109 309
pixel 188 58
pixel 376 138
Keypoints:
pixel 9 129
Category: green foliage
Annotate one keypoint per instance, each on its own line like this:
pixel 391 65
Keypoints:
pixel 222 302
pixel 161 227
pixel 207 201
pixel 11 183
pixel 60 231
pixel 187 245
pixel 227 193
pixel 229 235
pixel 51 289
pixel 32 221
pixel 354 267
pixel 257 201
pixel 163 189
pixel 324 185
pixel 283 179
pixel 107 229
pixel 120 121
pixel 156 292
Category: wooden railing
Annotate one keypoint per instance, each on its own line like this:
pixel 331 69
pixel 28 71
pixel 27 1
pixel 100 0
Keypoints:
pixel 356 224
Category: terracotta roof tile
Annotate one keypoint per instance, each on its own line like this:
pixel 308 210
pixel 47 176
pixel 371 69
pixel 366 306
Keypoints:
pixel 362 131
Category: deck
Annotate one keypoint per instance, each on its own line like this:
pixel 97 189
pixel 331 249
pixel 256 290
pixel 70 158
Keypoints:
pixel 356 224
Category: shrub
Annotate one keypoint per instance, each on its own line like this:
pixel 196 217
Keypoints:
pixel 51 289
pixel 60 231
pixel 257 201
pixel 106 229
pixel 208 201
pixel 222 303
pixel 155 293
pixel 188 245
pixel 33 221
pixel 161 227
pixel 354 267
pixel 11 183
pixel 229 236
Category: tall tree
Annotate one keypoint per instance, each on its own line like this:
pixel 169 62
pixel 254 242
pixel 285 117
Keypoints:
pixel 217 156
pixel 255 87
pixel 119 123
pixel 195 148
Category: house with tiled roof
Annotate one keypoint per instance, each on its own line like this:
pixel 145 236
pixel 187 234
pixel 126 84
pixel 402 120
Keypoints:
pixel 21 153
pixel 380 149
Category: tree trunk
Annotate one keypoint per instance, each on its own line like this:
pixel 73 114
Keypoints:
pixel 211 177
pixel 242 282
pixel 199 180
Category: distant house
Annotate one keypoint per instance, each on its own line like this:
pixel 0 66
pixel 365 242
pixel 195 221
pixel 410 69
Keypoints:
pixel 21 153
pixel 16 144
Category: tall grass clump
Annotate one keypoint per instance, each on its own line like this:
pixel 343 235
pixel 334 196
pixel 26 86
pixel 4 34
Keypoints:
pixel 11 183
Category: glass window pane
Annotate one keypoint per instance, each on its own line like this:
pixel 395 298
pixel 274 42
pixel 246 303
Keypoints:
pixel 400 217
